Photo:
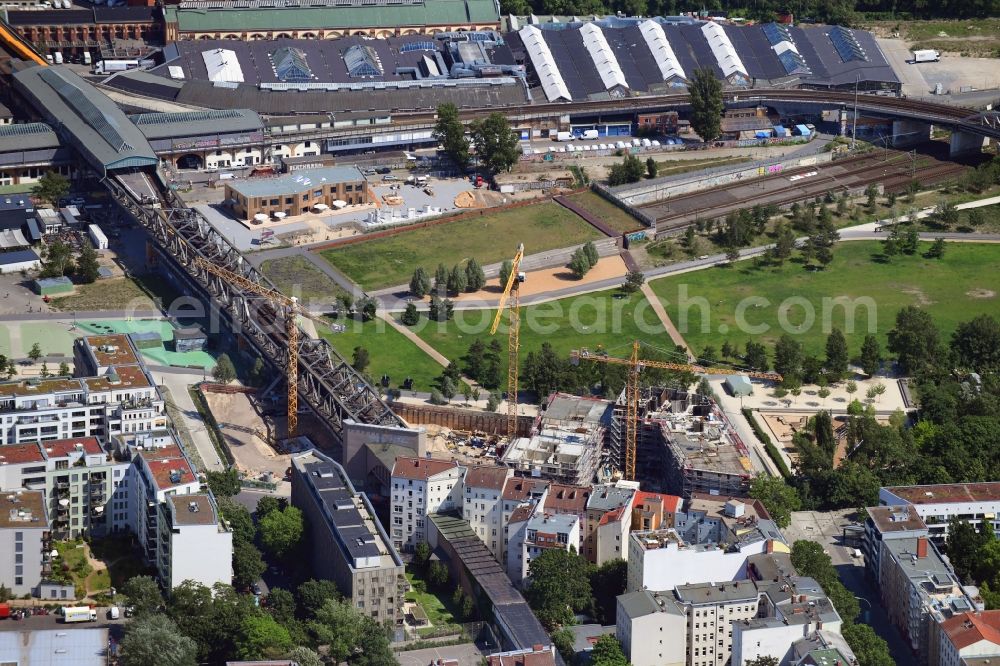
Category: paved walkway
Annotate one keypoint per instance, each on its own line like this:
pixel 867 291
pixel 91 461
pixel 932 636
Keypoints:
pixel 672 331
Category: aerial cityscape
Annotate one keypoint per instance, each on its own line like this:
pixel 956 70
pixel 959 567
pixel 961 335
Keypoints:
pixel 499 332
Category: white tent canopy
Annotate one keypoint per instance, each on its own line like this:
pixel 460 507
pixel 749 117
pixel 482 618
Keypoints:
pixel 260 217
pixel 338 203
pixel 604 58
pixel 222 66
pixel 545 65
pixel 320 206
pixel 663 53
pixel 278 214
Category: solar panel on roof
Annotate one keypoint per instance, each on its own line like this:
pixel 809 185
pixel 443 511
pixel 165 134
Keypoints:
pixel 417 46
pixel 847 44
pixel 775 33
pixel 87 110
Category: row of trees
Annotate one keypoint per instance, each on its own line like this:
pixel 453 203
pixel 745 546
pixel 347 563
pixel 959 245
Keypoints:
pixel 58 260
pixel 564 584
pixel 495 144
pixel 584 258
pixel 467 278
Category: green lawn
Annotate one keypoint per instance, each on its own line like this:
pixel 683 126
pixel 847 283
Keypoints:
pixel 954 289
pixel 389 350
pixel 296 276
pixel 612 215
pixel 570 323
pixel 111 294
pixel 439 609
pixel 491 238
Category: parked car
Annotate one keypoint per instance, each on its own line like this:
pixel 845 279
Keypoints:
pixel 383 170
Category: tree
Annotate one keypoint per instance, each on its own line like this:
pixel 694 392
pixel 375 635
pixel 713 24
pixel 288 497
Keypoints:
pixel 87 265
pixel 248 564
pixel 563 639
pixel 869 648
pixel 410 316
pixel 143 594
pixel 560 586
pixel 451 134
pixel 608 652
pixel 871 195
pixel 871 356
pixel 313 594
pixel 224 371
pixel 630 170
pixel 58 259
pixel 633 281
pixel 836 354
pixel 778 498
pixel 281 531
pixel 155 641
pixel 257 372
pixel 497 147
pixel 261 636
pixel 421 555
pixel 936 250
pixel 706 104
pixel 360 359
pixel 755 357
pixel 224 484
pixel 437 575
pixel 45 370
pixel 505 269
pixel 475 279
pixel 914 340
pixel 346 303
pixel 784 243
pixel 651 168
pixel 456 280
pixel 367 306
pixel 579 264
pixel 439 310
pixel 946 214
pixel 976 344
pixel 441 280
pixel 590 250
pixel 420 283
pixel 51 187
pixel 608 582
pixel 788 359
pixel 975 217
pixel 268 504
pixel 35 352
pixel 240 522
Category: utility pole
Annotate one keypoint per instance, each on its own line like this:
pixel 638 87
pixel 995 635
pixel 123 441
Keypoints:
pixel 854 127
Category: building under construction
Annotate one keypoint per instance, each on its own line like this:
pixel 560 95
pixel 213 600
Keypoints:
pixel 684 445
pixel 566 442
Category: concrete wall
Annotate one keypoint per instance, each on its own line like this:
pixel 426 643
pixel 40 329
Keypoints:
pixel 356 435
pixel 201 553
pixel 29 547
pixel 963 143
pixel 907 133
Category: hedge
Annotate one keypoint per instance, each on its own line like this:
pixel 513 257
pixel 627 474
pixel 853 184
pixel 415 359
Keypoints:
pixel 772 450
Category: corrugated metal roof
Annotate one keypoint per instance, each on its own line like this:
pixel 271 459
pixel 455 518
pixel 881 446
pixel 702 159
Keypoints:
pixel 197 123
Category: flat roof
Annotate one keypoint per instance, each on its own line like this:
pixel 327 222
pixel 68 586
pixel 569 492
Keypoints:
pixel 119 377
pixel 434 12
pixel 943 493
pixel 172 472
pixel 707 593
pixel 23 509
pixel 895 518
pixel 55 647
pixel 27 136
pixel 18 454
pixel 110 350
pixel 296 181
pixel 195 509
pixel 62 448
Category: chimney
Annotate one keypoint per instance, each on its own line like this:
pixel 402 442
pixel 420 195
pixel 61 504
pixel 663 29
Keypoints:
pixel 922 547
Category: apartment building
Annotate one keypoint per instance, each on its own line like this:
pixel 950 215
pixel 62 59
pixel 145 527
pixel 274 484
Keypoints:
pixel 532 532
pixel 652 629
pixel 919 590
pixel 975 503
pixel 566 443
pixel 24 540
pixel 482 505
pixel 654 511
pixel 349 546
pixel 969 638
pixel 517 492
pixel 608 521
pixel 712 609
pixel 884 524
pixel 707 518
pixel 422 486
pixel 78 479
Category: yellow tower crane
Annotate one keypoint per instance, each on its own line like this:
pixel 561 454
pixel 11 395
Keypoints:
pixel 510 298
pixel 635 366
pixel 289 308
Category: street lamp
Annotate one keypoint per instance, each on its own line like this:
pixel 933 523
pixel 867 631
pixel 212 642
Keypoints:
pixel 854 126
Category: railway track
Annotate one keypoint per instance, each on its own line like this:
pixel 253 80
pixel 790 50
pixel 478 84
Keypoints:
pixel 895 173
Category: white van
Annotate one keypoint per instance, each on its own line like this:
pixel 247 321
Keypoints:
pixel 590 135
pixel 565 136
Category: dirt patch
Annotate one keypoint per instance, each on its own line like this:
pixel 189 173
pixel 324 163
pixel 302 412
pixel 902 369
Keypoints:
pixel 552 279
pixel 478 199
pixel 981 293
pixel 393 200
pixel 245 433
pixel 922 299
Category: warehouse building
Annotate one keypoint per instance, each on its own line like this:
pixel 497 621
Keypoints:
pixel 295 193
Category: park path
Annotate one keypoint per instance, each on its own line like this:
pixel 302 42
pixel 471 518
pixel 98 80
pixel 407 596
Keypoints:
pixel 658 308
pixel 438 357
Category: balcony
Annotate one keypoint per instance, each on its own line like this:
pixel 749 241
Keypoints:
pixel 62 485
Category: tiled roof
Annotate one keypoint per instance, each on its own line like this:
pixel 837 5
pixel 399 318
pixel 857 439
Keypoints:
pixel 564 497
pixel 420 468
pixel 970 628
pixel 670 503
pixel 15 454
pixel 61 448
pixel 486 476
pixel 520 488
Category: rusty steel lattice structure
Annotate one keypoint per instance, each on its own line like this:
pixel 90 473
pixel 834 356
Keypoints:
pixel 326 381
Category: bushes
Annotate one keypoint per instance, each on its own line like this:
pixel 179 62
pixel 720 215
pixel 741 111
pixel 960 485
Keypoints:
pixel 772 450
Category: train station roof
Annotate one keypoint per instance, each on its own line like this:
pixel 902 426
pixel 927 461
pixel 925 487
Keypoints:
pixel 197 123
pixel 86 118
